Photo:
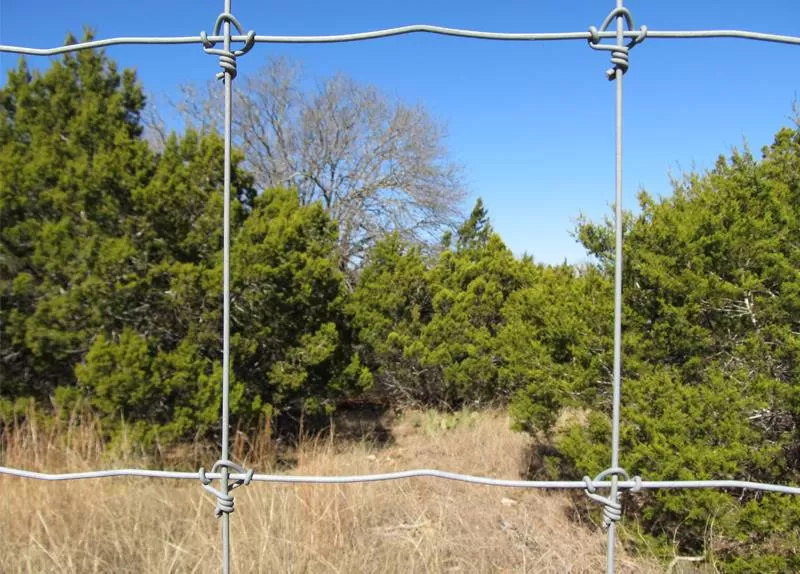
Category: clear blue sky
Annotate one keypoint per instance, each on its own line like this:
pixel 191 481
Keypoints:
pixel 531 122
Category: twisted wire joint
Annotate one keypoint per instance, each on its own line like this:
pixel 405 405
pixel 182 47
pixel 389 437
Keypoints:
pixel 225 501
pixel 619 51
pixel 612 508
pixel 227 58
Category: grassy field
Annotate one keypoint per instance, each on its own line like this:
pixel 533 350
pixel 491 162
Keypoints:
pixel 417 525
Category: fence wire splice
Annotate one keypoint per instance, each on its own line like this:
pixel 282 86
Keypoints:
pixel 224 499
pixel 229 474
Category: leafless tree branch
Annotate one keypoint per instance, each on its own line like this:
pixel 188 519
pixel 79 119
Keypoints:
pixel 377 165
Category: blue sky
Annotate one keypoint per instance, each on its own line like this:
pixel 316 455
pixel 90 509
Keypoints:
pixel 531 122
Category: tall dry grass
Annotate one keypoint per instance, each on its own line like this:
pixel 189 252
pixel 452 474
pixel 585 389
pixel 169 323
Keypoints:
pixel 417 525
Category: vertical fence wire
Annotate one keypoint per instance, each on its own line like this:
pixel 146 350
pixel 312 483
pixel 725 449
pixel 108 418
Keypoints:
pixel 617 390
pixel 229 73
pixel 226 295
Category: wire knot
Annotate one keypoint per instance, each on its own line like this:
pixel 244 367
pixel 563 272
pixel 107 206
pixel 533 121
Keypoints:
pixel 612 509
pixel 224 499
pixel 619 51
pixel 227 58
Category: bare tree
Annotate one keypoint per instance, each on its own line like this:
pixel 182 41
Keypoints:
pixel 155 127
pixel 376 164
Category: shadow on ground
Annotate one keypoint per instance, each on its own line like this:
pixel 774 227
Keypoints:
pixel 352 422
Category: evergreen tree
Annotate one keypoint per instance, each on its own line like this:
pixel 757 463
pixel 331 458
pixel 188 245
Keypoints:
pixel 111 266
pixel 470 284
pixel 430 332
pixel 555 344
pixel 711 355
pixel 389 307
pixel 71 156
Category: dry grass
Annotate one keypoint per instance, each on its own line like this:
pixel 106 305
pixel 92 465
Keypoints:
pixel 418 525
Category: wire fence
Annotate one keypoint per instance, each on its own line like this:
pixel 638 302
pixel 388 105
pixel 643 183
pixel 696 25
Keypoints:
pixel 230 475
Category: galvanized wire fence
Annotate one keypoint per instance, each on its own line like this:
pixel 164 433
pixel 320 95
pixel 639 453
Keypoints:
pixel 230 475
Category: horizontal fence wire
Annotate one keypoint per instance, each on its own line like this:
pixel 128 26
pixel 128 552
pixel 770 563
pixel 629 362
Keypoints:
pixel 400 31
pixel 406 474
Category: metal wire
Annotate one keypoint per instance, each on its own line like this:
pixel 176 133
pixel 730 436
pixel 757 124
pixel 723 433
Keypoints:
pixel 613 510
pixel 231 475
pixel 224 499
pixel 227 61
pixel 631 484
pixel 399 31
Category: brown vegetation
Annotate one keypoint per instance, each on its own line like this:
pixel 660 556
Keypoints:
pixel 418 525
